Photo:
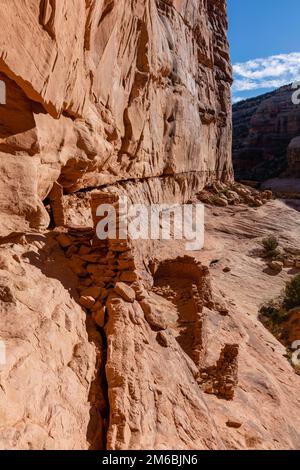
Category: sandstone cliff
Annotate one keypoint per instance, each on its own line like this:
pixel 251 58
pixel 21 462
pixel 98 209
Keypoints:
pixel 105 91
pixel 97 92
pixel 123 345
pixel 263 128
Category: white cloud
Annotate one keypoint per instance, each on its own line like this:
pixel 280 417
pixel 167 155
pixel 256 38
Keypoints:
pixel 237 99
pixel 268 72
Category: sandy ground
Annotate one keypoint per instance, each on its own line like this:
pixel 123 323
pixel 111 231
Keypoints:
pixel 233 237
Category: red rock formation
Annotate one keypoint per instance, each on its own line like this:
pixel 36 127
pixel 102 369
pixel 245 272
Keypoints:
pixel 102 350
pixel 262 130
pixel 119 90
pixel 291 327
pixel 97 92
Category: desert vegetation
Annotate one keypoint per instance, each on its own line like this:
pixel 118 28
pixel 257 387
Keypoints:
pixel 277 310
pixel 281 315
pixel 270 246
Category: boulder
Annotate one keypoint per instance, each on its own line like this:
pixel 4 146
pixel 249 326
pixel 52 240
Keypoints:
pixel 276 266
pixel 87 301
pixel 125 291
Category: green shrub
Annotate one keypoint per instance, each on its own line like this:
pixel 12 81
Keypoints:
pixel 270 246
pixel 274 311
pixel 292 293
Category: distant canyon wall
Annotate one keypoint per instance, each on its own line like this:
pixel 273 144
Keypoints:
pixel 103 91
pixel 264 129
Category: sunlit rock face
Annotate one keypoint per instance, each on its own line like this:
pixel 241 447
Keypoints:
pixel 114 345
pixel 263 128
pixel 103 91
pixel 100 92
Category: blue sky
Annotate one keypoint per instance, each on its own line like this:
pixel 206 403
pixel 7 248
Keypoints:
pixel 264 38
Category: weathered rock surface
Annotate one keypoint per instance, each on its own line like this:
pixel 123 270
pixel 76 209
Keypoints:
pixel 139 386
pixel 132 95
pixel 50 394
pixel 259 374
pixel 99 92
pixel 291 327
pixel 263 128
pixel 149 409
pixel 294 157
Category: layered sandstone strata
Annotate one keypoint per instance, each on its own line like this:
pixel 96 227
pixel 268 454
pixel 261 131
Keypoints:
pixel 96 360
pixel 130 94
pixel 106 91
pixel 263 128
pixel 104 348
